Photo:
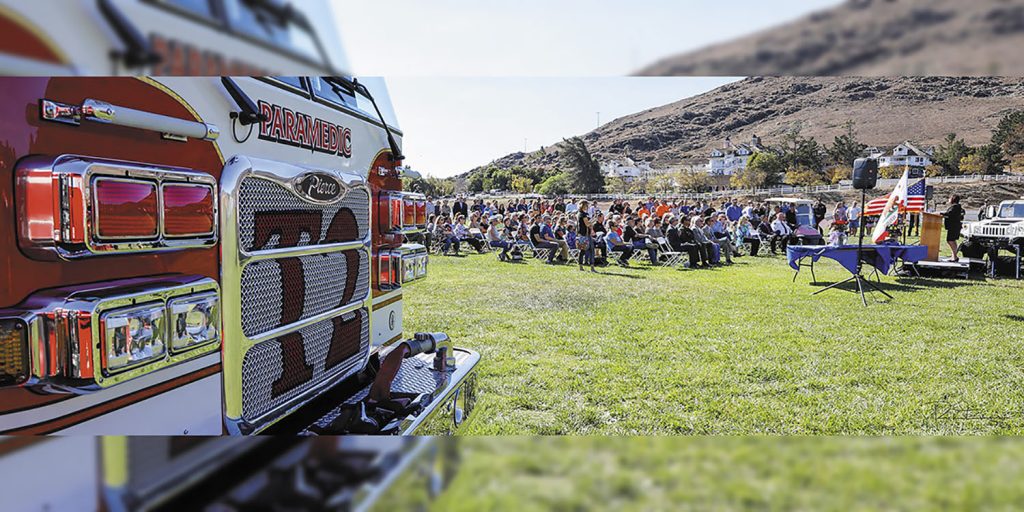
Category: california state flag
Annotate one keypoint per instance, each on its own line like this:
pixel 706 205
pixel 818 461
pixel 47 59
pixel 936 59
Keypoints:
pixel 891 212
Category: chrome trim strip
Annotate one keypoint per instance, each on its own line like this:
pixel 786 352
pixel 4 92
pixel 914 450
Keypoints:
pixel 289 252
pixel 302 324
pixel 234 260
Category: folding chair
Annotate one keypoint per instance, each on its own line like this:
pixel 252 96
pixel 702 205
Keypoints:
pixel 664 249
pixel 537 253
pixel 574 254
pixel 435 246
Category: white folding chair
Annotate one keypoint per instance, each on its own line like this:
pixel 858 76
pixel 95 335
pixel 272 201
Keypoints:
pixel 664 249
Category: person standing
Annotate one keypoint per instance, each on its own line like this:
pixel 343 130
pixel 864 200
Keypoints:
pixel 854 217
pixel 819 210
pixel 953 220
pixel 585 241
pixel 601 249
pixel 460 207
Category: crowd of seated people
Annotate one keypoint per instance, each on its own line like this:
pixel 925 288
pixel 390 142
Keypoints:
pixel 563 230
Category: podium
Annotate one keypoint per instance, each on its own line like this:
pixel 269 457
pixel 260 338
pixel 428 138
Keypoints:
pixel 931 234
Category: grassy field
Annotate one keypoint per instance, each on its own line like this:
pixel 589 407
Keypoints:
pixel 737 473
pixel 734 350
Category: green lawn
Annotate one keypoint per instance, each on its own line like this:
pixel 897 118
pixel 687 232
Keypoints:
pixel 735 350
pixel 737 473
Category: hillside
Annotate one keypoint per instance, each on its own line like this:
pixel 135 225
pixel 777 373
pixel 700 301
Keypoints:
pixel 886 112
pixel 877 38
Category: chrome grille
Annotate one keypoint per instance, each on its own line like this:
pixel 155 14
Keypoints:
pixel 288 261
pixel 265 364
pixel 257 195
pixel 328 284
pixel 999 231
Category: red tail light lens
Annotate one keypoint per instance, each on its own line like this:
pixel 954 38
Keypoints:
pixel 409 212
pixel 188 209
pixel 125 209
pixel 396 212
pixel 421 213
pixel 386 278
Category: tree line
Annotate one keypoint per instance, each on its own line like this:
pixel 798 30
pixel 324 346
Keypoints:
pixel 802 161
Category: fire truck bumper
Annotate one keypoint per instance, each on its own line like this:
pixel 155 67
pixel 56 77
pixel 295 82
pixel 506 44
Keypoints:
pixel 447 397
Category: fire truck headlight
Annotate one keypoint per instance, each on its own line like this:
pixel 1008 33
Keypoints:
pixel 194 320
pixel 133 336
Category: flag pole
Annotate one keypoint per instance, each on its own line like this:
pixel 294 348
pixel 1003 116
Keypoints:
pixel 904 226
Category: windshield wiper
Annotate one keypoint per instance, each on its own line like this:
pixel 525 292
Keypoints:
pixel 286 13
pixel 247 113
pixel 138 52
pixel 334 81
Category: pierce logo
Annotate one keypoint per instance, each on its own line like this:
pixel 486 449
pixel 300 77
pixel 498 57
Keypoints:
pixel 285 126
pixel 319 187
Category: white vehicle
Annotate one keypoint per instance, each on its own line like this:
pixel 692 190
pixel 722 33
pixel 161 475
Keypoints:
pixel 1003 229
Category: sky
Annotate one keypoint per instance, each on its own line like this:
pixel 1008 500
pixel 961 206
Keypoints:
pixel 542 37
pixel 452 125
pixel 489 49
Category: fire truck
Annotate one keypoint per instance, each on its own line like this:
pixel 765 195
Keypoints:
pixel 225 474
pixel 170 37
pixel 207 255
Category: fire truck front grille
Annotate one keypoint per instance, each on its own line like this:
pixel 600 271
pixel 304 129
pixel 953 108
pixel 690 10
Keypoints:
pixel 275 371
pixel 329 280
pixel 268 210
pixel 300 261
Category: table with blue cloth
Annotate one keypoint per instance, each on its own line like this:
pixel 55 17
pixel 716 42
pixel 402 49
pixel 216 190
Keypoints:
pixel 880 257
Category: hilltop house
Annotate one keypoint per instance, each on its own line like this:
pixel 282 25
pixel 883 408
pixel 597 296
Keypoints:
pixel 906 154
pixel 627 169
pixel 732 158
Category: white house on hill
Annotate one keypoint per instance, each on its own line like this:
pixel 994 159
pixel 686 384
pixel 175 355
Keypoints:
pixel 732 158
pixel 906 154
pixel 626 169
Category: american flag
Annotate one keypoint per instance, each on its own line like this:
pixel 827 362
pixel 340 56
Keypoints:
pixel 915 201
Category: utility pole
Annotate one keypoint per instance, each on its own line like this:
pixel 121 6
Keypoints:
pixel 598 119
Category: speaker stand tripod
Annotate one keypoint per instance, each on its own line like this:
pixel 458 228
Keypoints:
pixel 858 277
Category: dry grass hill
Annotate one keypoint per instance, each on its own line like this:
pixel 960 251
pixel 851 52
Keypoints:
pixel 886 110
pixel 873 37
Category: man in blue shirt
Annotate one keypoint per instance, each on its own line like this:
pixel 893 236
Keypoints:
pixel 543 237
pixel 733 211
pixel 616 244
